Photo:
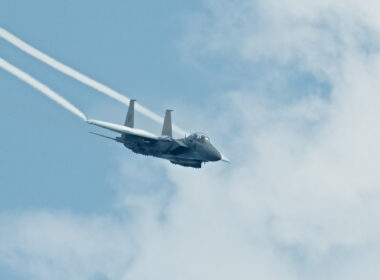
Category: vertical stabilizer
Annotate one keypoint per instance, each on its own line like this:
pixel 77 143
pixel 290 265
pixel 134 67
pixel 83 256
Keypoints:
pixel 130 119
pixel 167 128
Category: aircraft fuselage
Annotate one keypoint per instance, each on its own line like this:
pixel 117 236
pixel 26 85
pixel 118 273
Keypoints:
pixel 189 151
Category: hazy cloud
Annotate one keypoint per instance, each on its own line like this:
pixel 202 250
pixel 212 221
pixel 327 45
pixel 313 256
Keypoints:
pixel 301 197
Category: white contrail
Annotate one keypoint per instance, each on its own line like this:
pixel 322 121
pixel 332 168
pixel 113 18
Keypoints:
pixel 41 87
pixel 80 77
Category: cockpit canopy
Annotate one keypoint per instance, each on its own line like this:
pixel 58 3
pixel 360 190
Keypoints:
pixel 200 137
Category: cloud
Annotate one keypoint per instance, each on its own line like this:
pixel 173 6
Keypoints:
pixel 63 246
pixel 301 197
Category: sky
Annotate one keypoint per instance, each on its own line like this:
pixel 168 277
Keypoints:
pixel 287 90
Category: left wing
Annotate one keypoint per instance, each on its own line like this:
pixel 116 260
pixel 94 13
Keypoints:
pixel 124 129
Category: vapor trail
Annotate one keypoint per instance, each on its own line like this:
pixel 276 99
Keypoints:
pixel 41 87
pixel 80 77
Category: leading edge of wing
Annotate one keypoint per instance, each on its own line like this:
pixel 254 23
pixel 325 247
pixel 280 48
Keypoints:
pixel 124 129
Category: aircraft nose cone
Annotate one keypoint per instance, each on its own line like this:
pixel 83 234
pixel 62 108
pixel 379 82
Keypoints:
pixel 213 155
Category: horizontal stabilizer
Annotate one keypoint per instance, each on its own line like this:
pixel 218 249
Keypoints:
pixel 104 136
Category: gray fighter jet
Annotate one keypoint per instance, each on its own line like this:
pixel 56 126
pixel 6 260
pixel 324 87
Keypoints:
pixel 192 150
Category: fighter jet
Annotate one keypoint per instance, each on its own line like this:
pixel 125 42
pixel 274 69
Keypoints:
pixel 191 151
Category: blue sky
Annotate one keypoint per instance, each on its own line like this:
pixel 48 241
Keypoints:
pixel 52 162
pixel 288 90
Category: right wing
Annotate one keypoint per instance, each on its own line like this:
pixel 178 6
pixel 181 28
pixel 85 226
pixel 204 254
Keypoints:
pixel 124 129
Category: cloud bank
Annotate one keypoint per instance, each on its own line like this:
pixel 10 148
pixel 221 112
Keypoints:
pixel 301 198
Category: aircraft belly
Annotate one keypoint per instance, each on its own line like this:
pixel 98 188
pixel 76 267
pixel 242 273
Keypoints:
pixel 188 157
pixel 142 149
pixel 168 150
pixel 151 148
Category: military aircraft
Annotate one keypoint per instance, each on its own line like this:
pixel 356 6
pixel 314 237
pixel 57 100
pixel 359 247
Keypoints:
pixel 190 151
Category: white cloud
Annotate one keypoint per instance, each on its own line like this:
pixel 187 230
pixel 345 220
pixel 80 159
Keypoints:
pixel 63 246
pixel 301 197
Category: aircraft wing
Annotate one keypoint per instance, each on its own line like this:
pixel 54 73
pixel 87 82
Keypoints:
pixel 124 129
